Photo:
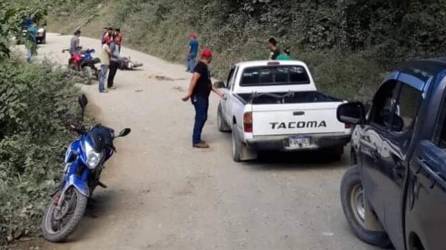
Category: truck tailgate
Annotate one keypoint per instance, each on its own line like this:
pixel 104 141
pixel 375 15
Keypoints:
pixel 294 119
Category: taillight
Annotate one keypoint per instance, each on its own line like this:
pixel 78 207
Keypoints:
pixel 348 125
pixel 247 122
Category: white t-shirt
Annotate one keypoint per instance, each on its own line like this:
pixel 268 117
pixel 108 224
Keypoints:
pixel 105 55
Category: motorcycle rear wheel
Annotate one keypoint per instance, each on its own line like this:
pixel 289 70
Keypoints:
pixel 58 224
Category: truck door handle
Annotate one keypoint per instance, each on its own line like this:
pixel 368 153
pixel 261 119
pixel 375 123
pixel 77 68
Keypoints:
pixel 398 170
pixel 429 171
pixel 298 113
pixel 365 138
pixel 375 154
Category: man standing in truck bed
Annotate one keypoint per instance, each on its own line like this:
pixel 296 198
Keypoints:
pixel 275 51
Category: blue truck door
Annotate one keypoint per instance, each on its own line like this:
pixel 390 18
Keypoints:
pixel 384 147
pixel 426 198
pixel 371 139
pixel 395 162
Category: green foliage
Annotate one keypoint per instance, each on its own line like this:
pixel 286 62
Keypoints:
pixel 12 15
pixel 36 104
pixel 349 43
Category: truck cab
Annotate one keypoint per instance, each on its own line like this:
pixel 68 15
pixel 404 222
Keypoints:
pixel 395 194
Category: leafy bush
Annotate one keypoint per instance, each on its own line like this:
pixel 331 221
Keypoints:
pixel 12 15
pixel 36 104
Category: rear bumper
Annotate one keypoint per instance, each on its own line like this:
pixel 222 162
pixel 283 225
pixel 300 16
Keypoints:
pixel 281 142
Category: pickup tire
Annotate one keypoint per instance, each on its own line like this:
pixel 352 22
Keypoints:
pixel 221 123
pixel 352 199
pixel 241 152
pixel 336 152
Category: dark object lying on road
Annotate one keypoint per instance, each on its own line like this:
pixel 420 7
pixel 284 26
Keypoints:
pixel 126 64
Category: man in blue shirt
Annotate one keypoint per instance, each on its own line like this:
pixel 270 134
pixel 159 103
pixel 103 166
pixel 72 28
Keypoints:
pixel 31 42
pixel 193 51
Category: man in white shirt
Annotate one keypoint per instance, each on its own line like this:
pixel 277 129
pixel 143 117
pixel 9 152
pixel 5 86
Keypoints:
pixel 105 63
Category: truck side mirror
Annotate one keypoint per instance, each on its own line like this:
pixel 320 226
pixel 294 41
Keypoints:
pixel 351 113
pixel 219 85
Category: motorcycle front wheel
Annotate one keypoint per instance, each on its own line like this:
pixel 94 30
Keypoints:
pixel 59 222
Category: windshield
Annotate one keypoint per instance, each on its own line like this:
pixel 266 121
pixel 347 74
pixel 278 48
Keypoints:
pixel 100 138
pixel 274 75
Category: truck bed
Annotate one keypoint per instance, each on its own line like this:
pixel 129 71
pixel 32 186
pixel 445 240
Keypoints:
pixel 289 98
pixel 293 113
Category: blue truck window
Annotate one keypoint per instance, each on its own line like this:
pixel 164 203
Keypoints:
pixel 442 142
pixel 408 105
pixel 383 103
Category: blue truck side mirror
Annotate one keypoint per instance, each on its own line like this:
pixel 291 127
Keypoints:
pixel 351 113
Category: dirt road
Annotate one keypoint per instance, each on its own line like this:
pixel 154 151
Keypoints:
pixel 163 194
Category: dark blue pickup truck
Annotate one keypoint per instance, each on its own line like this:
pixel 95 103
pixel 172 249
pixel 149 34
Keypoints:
pixel 395 194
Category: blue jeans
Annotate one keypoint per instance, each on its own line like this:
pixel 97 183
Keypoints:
pixel 191 62
pixel 201 105
pixel 29 55
pixel 102 77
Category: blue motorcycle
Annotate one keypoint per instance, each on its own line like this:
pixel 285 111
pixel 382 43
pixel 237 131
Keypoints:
pixel 84 62
pixel 84 162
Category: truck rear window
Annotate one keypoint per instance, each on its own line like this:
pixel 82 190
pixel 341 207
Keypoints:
pixel 274 75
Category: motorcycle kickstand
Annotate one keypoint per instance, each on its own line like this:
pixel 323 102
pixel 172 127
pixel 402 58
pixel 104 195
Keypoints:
pixel 102 185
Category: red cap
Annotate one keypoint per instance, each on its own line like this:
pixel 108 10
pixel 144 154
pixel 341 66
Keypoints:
pixel 193 35
pixel 206 53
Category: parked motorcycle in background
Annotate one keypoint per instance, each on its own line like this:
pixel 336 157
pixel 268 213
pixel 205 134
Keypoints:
pixel 84 62
pixel 84 162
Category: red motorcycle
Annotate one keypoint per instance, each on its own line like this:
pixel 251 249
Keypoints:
pixel 84 62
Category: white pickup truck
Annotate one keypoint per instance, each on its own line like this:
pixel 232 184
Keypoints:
pixel 274 105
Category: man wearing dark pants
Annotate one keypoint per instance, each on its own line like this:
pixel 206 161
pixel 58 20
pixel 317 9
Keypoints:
pixel 199 90
pixel 114 62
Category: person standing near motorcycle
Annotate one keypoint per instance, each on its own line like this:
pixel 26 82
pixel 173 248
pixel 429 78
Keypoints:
pixel 105 63
pixel 119 39
pixel 199 90
pixel 114 60
pixel 106 35
pixel 75 47
pixel 193 52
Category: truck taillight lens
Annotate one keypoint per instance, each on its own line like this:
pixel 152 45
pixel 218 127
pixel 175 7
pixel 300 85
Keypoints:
pixel 348 125
pixel 247 122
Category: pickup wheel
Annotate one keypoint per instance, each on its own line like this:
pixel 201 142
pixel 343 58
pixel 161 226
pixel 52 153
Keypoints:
pixel 222 125
pixel 236 147
pixel 337 152
pixel 353 204
pixel 241 152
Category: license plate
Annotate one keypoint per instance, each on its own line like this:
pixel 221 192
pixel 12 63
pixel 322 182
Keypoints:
pixel 299 142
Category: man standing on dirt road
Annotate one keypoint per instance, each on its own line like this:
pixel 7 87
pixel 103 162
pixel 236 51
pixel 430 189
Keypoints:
pixel 106 35
pixel 192 53
pixel 75 47
pixel 105 63
pixel 119 38
pixel 31 41
pixel 114 60
pixel 199 90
